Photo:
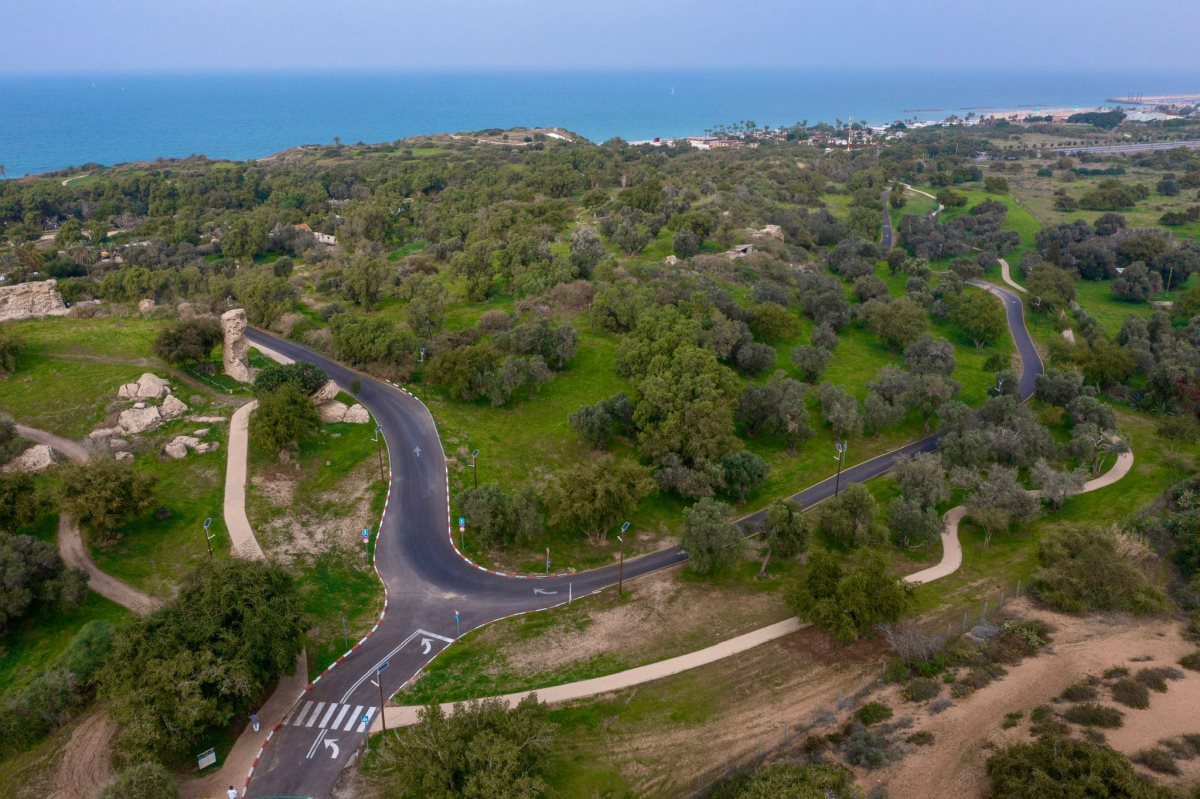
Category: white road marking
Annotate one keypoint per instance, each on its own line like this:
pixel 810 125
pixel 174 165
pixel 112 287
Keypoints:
pixel 300 716
pixel 316 712
pixel 353 718
pixel 312 749
pixel 338 720
pixel 372 671
pixel 332 707
pixel 366 719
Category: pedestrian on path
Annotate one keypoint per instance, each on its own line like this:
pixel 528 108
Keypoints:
pixel 232 793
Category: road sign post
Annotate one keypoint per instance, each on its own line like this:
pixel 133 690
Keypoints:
pixel 208 537
pixel 382 708
pixel 462 534
pixel 474 469
pixel 457 624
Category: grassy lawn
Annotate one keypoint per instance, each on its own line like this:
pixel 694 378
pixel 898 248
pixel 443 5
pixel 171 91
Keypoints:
pixel 156 549
pixel 70 369
pixel 33 644
pixel 1096 297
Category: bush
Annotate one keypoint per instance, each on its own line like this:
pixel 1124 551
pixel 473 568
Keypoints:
pixel 188 340
pixel 1082 571
pixel 144 781
pixel 10 347
pixel 1116 672
pixel 285 416
pixel 788 780
pixel 1157 760
pixel 922 738
pixel 33 575
pixel 921 690
pixel 1131 693
pixel 102 494
pixel 1091 714
pixel 1054 767
pixel 1156 679
pixel 874 713
pixel 1191 661
pixel 1079 692
pixel 305 376
pixel 1011 719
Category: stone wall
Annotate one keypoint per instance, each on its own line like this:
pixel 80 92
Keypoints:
pixel 30 301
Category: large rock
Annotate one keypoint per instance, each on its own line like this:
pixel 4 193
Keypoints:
pixel 332 411
pixel 106 432
pixel 176 449
pixel 146 305
pixel 139 420
pixel 124 455
pixel 356 414
pixel 30 301
pixel 128 391
pixel 35 459
pixel 329 390
pixel 235 353
pixel 151 386
pixel 173 407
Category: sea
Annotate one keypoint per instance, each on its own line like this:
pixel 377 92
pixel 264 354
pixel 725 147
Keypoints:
pixel 55 122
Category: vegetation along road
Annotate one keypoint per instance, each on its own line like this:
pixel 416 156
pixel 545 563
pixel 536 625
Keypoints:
pixel 433 593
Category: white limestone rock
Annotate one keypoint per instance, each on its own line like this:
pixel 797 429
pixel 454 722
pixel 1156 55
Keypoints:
pixel 236 351
pixel 139 420
pixel 151 386
pixel 207 419
pixel 35 459
pixel 201 433
pixel 356 414
pixel 207 447
pixel 124 455
pixel 332 411
pixel 176 450
pixel 105 432
pixel 146 305
pixel 128 391
pixel 173 407
pixel 118 443
pixel 329 390
pixel 31 301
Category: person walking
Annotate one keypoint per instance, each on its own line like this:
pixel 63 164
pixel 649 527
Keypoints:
pixel 232 793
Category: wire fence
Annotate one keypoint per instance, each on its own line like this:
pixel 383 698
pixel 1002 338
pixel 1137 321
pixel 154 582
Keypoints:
pixel 209 381
pixel 790 743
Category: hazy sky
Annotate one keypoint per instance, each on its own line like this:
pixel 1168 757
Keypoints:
pixel 156 35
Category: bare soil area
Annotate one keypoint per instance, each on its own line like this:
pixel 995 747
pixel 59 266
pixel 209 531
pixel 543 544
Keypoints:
pixel 84 767
pixel 966 734
pixel 303 525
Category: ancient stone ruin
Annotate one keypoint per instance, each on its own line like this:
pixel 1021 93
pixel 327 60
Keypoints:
pixel 31 301
pixel 236 350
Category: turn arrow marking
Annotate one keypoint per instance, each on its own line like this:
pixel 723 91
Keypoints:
pixel 332 743
pixel 425 644
pixel 541 591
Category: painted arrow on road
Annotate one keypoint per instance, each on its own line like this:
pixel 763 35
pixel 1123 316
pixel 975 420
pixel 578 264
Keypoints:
pixel 425 644
pixel 331 743
pixel 537 591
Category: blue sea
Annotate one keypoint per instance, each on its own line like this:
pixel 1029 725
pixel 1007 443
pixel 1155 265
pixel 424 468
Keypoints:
pixel 53 122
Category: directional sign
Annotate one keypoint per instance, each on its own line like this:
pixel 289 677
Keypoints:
pixel 382 666
pixel 206 759
pixel 540 591
pixel 331 743
pixel 366 532
pixel 457 616
pixel 426 643
pixel 462 521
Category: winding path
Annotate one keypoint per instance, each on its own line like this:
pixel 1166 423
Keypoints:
pixel 1006 275
pixel 241 536
pixel 70 542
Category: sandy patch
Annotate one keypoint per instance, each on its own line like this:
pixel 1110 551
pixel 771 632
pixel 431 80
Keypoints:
pixel 966 734
pixel 84 768
pixel 300 526
pixel 1177 712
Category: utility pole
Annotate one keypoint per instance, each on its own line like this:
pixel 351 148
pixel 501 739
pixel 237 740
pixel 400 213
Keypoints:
pixel 208 537
pixel 842 446
pixel 379 449
pixel 474 470
pixel 621 567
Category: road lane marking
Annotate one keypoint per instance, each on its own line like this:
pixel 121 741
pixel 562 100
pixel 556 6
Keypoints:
pixel 300 716
pixel 353 718
pixel 332 707
pixel 317 742
pixel 371 672
pixel 366 719
pixel 338 720
pixel 316 712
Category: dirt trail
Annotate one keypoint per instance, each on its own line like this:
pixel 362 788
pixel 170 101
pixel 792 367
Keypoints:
pixel 965 734
pixel 72 449
pixel 84 768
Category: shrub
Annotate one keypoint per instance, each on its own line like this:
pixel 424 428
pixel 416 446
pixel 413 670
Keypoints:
pixel 867 749
pixel 1091 714
pixel 1191 661
pixel 1115 672
pixel 1156 679
pixel 1079 692
pixel 1063 768
pixel 102 494
pixel 940 705
pixel 188 340
pixel 1131 694
pixel 10 347
pixel 921 690
pixel 305 376
pixel 1082 571
pixel 144 781
pixel 1012 719
pixel 1157 760
pixel 874 713
pixel 921 738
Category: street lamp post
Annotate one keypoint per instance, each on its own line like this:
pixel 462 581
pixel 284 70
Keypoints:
pixel 382 706
pixel 474 471
pixel 621 567
pixel 841 446
pixel 379 449
pixel 208 537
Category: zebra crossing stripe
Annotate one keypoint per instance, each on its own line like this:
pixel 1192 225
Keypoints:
pixel 353 718
pixel 300 716
pixel 338 720
pixel 316 712
pixel 332 707
pixel 366 719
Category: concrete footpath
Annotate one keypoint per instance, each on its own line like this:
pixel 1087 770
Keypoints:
pixel 241 537
pixel 1006 276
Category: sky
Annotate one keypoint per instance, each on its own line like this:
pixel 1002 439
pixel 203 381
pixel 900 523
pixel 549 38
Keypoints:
pixel 304 35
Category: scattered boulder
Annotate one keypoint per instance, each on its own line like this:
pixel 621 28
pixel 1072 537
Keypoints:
pixel 139 420
pixel 329 390
pixel 1069 335
pixel 208 446
pixel 356 414
pixel 236 350
pixel 146 305
pixel 124 455
pixel 128 391
pixel 105 432
pixel 151 386
pixel 173 407
pixel 201 433
pixel 179 446
pixel 176 449
pixel 31 301
pixel 118 443
pixel 207 419
pixel 671 260
pixel 35 459
pixel 332 411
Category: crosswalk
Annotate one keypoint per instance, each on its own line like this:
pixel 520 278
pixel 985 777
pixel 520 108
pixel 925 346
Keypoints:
pixel 329 715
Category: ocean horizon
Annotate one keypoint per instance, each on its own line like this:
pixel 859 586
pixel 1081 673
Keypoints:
pixel 51 122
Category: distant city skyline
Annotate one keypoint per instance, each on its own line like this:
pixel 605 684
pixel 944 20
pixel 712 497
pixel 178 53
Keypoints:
pixel 563 35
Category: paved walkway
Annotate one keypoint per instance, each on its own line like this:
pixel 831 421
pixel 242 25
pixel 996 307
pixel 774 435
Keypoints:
pixel 241 537
pixel 1006 275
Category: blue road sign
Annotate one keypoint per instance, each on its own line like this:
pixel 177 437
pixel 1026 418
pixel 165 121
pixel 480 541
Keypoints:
pixel 462 521
pixel 457 616
pixel 366 532
pixel 207 522
pixel 383 666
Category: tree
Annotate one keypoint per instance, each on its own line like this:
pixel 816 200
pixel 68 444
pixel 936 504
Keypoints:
pixel 685 406
pixel 1050 286
pixel 285 416
pixel 22 502
pixel 586 250
pixel 930 355
pixel 303 375
pixel 784 531
pixel 595 496
pixel 264 296
pixel 483 750
pixel 363 278
pixel 741 472
pixel 102 494
pixel 203 659
pixel 772 323
pixel 598 423
pixel 188 340
pixel 922 478
pixel 495 517
pixel 147 780
pixel 848 520
pixel 777 409
pixel 710 536
pixel 847 602
pixel 998 500
pixel 685 244
pixel 840 410
pixel 927 393
pixel 811 361
pixel 909 520
pixel 33 575
pixel 1059 387
pixel 1056 486
pixel 980 317
pixel 995 185
pixel 426 311
pixel 897 323
pixel 1137 283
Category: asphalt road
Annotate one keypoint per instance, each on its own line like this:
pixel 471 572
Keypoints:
pixel 427 582
pixel 1127 148
pixel 887 220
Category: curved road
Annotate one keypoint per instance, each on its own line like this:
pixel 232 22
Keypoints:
pixel 427 582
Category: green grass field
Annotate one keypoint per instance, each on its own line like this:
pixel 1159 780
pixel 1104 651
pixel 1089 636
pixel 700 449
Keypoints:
pixel 33 644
